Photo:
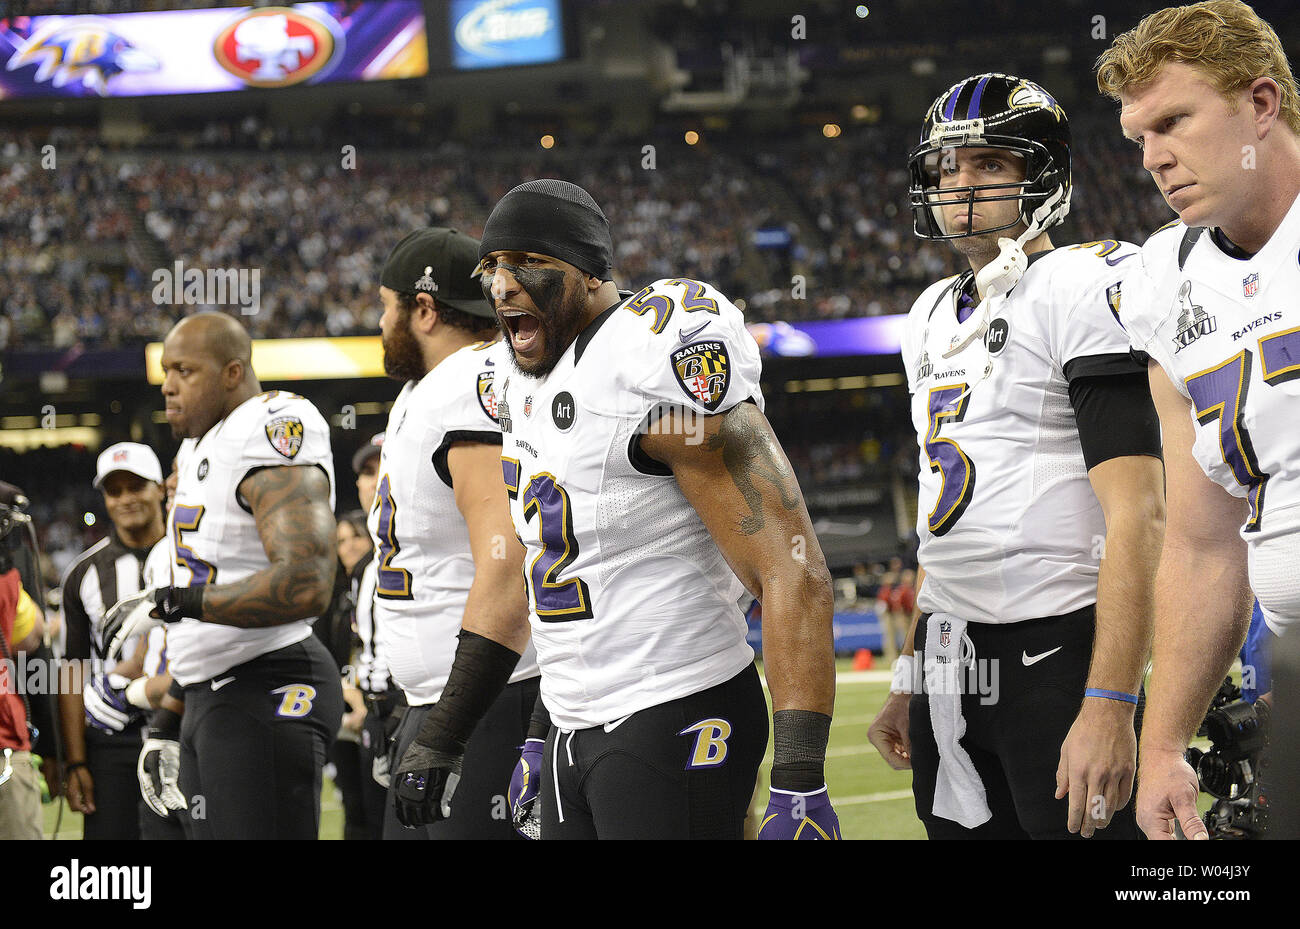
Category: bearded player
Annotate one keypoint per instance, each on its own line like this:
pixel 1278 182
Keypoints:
pixel 1016 703
pixel 447 593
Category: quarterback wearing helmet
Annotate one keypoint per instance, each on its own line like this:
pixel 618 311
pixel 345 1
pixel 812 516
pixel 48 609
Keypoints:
pixel 1040 492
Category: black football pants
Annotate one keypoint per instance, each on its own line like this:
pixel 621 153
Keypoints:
pixel 1014 733
pixel 680 770
pixel 253 743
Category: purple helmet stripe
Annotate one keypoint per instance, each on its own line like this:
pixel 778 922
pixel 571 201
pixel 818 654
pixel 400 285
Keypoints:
pixel 974 109
pixel 951 106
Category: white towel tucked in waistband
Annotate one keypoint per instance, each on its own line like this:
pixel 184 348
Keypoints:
pixel 958 792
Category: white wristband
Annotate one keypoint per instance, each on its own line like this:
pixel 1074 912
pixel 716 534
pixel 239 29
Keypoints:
pixel 135 694
pixel 904 670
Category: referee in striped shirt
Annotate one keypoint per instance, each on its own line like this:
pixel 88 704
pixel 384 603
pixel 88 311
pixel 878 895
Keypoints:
pixel 101 731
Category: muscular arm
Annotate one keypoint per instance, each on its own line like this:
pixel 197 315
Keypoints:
pixel 497 605
pixel 740 482
pixel 1131 492
pixel 291 507
pixel 1203 598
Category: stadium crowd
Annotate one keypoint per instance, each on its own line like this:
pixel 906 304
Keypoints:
pixel 82 240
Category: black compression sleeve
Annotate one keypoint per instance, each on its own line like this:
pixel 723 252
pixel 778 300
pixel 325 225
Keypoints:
pixel 539 727
pixel 1115 417
pixel 479 673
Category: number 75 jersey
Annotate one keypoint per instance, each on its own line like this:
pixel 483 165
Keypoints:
pixel 632 603
pixel 1225 328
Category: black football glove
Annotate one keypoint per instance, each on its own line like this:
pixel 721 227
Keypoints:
pixel 425 782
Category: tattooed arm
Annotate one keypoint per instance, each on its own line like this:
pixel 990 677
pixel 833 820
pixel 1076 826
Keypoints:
pixel 740 482
pixel 291 507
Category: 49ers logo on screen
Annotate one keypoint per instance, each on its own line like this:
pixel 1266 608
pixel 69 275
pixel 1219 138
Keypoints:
pixel 277 46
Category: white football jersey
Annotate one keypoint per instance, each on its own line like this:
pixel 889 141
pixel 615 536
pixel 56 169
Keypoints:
pixel 212 533
pixel 1226 330
pixel 425 567
pixel 1010 528
pixel 632 603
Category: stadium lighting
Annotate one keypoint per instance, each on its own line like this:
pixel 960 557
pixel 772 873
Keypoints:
pixel 692 137
pixel 548 141
pixel 831 130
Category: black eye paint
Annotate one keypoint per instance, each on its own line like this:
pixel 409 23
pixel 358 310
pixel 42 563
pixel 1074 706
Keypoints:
pixel 545 286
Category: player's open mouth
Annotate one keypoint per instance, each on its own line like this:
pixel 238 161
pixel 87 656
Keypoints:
pixel 524 328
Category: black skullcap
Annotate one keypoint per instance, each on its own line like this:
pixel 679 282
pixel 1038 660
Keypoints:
pixel 554 218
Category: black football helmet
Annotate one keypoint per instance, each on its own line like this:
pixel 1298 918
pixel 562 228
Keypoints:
pixel 994 111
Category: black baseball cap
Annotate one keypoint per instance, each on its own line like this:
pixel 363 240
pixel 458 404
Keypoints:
pixel 439 262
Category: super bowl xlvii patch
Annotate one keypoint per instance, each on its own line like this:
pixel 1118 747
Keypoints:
pixel 487 398
pixel 285 435
pixel 704 371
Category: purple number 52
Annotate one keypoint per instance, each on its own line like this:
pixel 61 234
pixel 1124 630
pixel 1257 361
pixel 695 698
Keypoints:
pixel 554 601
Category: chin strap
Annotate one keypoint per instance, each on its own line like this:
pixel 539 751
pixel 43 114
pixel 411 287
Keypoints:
pixel 1003 273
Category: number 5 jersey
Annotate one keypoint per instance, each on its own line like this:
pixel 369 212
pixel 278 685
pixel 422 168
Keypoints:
pixel 633 605
pixel 213 535
pixel 1010 528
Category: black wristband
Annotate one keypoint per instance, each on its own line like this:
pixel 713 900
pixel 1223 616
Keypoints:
pixel 799 740
pixel 176 690
pixel 177 603
pixel 539 726
pixel 165 724
pixel 479 673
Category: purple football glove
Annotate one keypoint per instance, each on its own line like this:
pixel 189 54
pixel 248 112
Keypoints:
pixel 793 815
pixel 525 785
pixel 106 705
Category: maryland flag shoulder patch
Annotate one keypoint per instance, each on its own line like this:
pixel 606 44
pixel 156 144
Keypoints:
pixel 704 371
pixel 487 398
pixel 285 435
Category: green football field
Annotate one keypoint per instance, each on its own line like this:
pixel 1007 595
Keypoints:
pixel 872 800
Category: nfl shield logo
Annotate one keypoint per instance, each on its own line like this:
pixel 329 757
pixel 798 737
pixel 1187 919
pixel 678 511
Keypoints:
pixel 1250 286
pixel 945 634
pixel 528 405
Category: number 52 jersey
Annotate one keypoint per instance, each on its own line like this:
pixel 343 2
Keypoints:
pixel 1224 327
pixel 632 603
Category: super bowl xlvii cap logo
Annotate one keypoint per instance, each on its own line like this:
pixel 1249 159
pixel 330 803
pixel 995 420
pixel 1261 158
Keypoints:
pixel 285 435
pixel 426 283
pixel 487 398
pixel 1193 322
pixel 703 369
